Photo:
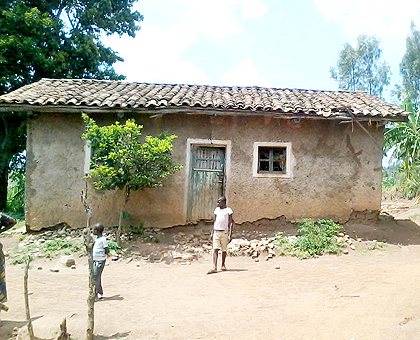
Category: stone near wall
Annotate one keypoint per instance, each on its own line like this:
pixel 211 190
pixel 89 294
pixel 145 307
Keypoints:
pixel 67 261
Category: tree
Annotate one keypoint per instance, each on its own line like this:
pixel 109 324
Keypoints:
pixel 402 141
pixel 54 39
pixel 360 68
pixel 120 161
pixel 410 67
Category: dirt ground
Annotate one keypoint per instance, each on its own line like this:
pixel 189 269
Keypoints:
pixel 367 294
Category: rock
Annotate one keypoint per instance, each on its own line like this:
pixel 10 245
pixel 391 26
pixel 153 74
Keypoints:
pixel 345 252
pixel 277 267
pixel 40 268
pixel 54 270
pixel 67 261
pixel 206 247
pixel 340 234
pixel 257 260
pixel 73 267
pixel 352 247
pixel 188 257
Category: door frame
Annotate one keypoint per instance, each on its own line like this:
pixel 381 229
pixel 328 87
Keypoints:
pixel 192 142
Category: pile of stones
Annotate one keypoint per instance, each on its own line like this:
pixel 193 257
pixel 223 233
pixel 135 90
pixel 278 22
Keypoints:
pixel 183 246
pixel 253 248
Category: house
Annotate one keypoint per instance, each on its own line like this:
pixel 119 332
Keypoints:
pixel 272 152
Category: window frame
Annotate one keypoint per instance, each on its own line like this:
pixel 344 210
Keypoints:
pixel 272 145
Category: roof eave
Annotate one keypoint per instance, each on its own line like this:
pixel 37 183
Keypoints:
pixel 158 112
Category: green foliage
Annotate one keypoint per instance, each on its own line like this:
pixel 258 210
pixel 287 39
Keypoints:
pixel 137 230
pixel 410 67
pixel 402 140
pixel 54 39
pixel 16 190
pixel 120 160
pixel 36 42
pixel 315 238
pixel 45 248
pixel 360 68
pixel 113 246
pixel 403 182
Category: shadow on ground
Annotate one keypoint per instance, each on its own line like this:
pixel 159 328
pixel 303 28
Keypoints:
pixel 114 336
pixel 399 231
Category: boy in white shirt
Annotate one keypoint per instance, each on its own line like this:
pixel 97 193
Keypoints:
pixel 221 233
pixel 100 250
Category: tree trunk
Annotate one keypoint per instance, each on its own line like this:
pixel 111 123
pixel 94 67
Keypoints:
pixel 91 297
pixel 119 230
pixel 4 172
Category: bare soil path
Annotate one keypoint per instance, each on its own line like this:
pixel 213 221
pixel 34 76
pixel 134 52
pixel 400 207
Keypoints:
pixel 364 295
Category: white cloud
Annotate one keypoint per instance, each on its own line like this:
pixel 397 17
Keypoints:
pixel 153 56
pixel 252 9
pixel 372 17
pixel 245 74
pixel 219 18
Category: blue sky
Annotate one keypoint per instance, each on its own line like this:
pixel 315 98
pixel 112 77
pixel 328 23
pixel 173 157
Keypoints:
pixel 274 43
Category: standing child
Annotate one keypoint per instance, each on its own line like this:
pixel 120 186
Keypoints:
pixel 221 233
pixel 100 250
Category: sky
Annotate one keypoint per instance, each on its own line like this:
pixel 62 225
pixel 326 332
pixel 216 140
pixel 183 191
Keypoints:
pixel 269 43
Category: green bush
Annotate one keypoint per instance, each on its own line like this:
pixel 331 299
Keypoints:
pixel 315 238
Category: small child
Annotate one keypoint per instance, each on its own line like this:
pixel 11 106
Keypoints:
pixel 221 233
pixel 100 250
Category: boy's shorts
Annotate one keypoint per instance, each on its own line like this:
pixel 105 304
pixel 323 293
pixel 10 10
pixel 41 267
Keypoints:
pixel 220 240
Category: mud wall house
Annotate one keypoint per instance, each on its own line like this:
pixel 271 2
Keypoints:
pixel 272 152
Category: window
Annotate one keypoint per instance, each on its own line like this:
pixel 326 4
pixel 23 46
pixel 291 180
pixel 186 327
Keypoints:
pixel 272 160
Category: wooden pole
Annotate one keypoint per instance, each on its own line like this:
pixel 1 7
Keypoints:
pixel 25 292
pixel 91 297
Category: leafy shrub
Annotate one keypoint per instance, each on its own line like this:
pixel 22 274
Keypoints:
pixel 315 238
pixel 113 246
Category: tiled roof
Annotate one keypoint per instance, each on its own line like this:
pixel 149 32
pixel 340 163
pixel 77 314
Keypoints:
pixel 105 94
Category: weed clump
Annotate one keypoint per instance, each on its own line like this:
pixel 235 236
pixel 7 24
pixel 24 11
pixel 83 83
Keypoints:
pixel 315 238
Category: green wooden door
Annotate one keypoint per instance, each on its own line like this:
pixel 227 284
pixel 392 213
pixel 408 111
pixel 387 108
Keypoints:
pixel 207 181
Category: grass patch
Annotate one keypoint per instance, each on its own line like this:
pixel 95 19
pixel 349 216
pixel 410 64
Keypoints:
pixel 44 248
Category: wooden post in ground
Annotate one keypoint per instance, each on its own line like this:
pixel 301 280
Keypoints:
pixel 26 293
pixel 91 297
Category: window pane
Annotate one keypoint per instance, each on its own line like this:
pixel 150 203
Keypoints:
pixel 264 153
pixel 264 165
pixel 277 167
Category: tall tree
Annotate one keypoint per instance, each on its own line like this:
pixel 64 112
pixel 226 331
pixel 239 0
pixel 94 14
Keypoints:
pixel 360 67
pixel 410 67
pixel 54 39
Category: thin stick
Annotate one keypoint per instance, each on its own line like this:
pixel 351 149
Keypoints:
pixel 26 294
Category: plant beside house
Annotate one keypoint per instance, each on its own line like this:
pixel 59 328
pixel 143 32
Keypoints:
pixel 119 160
pixel 315 238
